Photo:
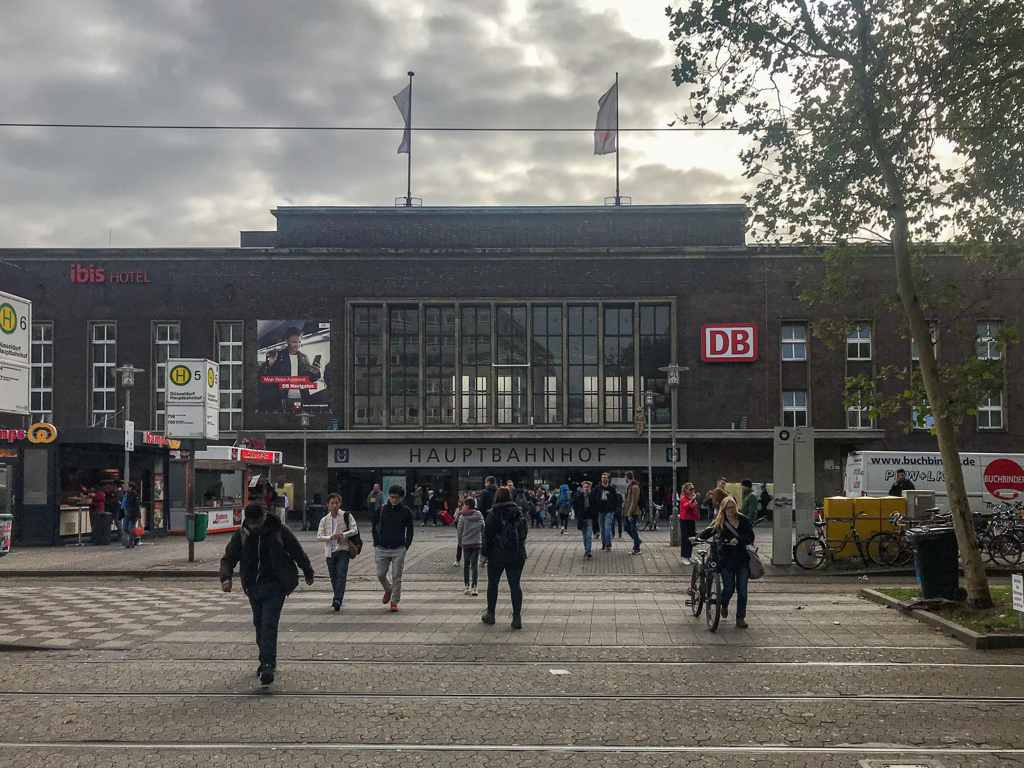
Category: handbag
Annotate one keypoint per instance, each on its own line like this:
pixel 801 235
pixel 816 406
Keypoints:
pixel 756 566
pixel 355 544
pixel 138 531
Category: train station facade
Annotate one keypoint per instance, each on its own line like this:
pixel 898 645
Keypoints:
pixel 436 346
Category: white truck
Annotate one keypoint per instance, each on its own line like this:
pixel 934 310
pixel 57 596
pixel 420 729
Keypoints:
pixel 989 477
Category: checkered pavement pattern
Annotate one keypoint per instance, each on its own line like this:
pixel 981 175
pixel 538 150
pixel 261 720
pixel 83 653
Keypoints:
pixel 85 615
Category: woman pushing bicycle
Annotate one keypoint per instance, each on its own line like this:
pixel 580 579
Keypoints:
pixel 731 528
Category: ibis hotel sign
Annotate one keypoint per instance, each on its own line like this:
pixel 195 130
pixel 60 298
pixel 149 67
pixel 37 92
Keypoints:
pixel 502 455
pixel 193 399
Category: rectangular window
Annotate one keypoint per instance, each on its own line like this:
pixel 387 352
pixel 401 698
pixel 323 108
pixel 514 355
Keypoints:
pixel 619 365
pixel 583 365
pixel 512 335
pixel 42 372
pixel 794 341
pixel 103 381
pixel 229 357
pixel 794 408
pixel 656 353
pixel 858 345
pixel 547 365
pixel 404 366
pixel 367 366
pixel 166 345
pixel 858 415
pixel 933 333
pixel 476 365
pixel 441 356
pixel 987 344
pixel 990 412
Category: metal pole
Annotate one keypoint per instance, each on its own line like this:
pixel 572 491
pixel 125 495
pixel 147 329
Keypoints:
pixel 618 143
pixel 305 500
pixel 650 473
pixel 674 455
pixel 127 417
pixel 409 155
pixel 190 511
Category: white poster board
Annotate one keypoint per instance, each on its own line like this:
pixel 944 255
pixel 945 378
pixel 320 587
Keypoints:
pixel 193 399
pixel 15 354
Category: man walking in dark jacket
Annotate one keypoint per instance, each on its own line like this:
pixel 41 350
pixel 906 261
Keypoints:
pixel 586 516
pixel 267 554
pixel 392 537
pixel 607 501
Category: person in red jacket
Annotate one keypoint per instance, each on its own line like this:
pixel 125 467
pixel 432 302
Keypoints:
pixel 689 512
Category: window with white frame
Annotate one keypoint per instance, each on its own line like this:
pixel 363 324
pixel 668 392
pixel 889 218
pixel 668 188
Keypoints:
pixel 103 381
pixel 794 408
pixel 166 345
pixel 990 412
pixel 42 372
pixel 987 345
pixel 933 333
pixel 229 357
pixel 794 341
pixel 858 345
pixel 858 415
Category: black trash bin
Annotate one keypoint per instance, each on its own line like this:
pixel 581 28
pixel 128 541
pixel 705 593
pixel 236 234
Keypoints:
pixel 314 513
pixel 937 562
pixel 104 521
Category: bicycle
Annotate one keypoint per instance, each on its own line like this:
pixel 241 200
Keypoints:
pixel 706 585
pixel 812 552
pixel 890 548
pixel 651 516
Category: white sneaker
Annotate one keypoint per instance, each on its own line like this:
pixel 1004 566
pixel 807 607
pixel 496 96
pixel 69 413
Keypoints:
pixel 687 561
pixel 467 591
pixel 475 593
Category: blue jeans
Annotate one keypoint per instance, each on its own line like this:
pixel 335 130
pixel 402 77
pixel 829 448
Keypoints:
pixel 588 535
pixel 337 567
pixel 736 581
pixel 631 529
pixel 126 528
pixel 607 528
pixel 267 602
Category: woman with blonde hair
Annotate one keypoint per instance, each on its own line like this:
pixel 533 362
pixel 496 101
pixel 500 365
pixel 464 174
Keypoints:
pixel 733 533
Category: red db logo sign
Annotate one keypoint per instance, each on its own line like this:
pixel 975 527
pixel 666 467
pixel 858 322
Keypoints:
pixel 1004 479
pixel 729 343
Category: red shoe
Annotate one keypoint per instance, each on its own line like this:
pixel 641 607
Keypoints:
pixel 394 607
pixel 387 597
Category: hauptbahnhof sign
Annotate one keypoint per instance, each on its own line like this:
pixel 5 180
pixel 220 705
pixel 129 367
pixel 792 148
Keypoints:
pixel 505 454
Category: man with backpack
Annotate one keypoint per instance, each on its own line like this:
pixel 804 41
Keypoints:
pixel 337 530
pixel 269 558
pixel 564 506
pixel 505 534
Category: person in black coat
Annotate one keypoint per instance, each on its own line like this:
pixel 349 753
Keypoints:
pixel 505 532
pixel 587 520
pixel 733 533
pixel 132 510
pixel 269 558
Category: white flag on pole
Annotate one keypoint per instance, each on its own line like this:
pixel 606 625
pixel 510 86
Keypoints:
pixel 606 133
pixel 404 101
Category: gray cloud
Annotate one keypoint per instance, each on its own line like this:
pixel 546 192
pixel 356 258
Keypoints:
pixel 263 62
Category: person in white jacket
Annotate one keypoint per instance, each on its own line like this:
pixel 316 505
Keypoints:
pixel 336 529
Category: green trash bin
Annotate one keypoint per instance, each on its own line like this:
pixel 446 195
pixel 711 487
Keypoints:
pixel 6 527
pixel 195 526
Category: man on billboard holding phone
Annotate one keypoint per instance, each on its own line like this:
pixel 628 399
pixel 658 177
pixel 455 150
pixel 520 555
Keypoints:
pixel 291 362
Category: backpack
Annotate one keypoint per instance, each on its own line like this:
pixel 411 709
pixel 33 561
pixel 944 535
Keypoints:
pixel 511 535
pixel 563 495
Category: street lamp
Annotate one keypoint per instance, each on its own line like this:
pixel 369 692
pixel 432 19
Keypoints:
pixel 673 372
pixel 127 372
pixel 304 421
pixel 648 404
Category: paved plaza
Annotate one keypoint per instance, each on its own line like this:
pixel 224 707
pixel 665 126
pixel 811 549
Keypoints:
pixel 609 668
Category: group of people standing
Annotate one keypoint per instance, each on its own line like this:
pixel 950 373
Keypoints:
pixel 120 505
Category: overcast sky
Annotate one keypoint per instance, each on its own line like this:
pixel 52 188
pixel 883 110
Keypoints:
pixel 487 63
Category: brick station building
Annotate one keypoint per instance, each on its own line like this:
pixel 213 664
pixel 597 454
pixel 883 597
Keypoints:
pixel 452 343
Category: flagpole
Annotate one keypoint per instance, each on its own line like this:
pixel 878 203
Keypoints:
pixel 618 200
pixel 408 180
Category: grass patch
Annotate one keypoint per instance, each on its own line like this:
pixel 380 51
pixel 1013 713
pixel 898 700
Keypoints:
pixel 998 619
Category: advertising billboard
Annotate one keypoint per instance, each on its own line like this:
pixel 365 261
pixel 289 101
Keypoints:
pixel 294 370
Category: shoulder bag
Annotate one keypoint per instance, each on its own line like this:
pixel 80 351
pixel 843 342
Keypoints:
pixel 355 544
pixel 756 566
